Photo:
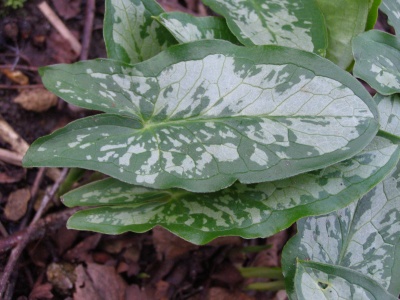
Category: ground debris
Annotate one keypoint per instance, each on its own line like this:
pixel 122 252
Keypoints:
pixel 38 99
pixel 17 204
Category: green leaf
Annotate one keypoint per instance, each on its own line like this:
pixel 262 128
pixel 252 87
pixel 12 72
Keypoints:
pixel 316 281
pixel 131 34
pixel 187 28
pixel 249 211
pixel 293 23
pixel 344 20
pixel 377 56
pixel 373 14
pixel 389 112
pixel 363 237
pixel 392 9
pixel 201 115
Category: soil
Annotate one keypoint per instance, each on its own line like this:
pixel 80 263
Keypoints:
pixel 65 264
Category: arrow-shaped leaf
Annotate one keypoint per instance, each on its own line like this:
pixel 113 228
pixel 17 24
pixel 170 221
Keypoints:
pixel 131 34
pixel 389 112
pixel 392 9
pixel 292 23
pixel 377 56
pixel 201 115
pixel 316 281
pixel 344 20
pixel 364 237
pixel 249 211
pixel 187 28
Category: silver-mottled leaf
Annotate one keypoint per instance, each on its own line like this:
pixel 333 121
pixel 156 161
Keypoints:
pixel 389 112
pixel 364 237
pixel 344 20
pixel 202 115
pixel 130 32
pixel 187 28
pixel 249 211
pixel 392 9
pixel 316 281
pixel 377 56
pixel 292 23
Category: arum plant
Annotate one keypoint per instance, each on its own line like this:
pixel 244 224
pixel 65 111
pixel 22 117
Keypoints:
pixel 238 125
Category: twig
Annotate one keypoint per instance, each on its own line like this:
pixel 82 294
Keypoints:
pixel 11 157
pixel 8 134
pixel 87 30
pixel 3 230
pixel 11 285
pixel 21 67
pixel 18 87
pixel 24 240
pixel 60 26
pixel 34 191
pixel 24 57
pixel 49 196
pixel 50 223
pixel 18 144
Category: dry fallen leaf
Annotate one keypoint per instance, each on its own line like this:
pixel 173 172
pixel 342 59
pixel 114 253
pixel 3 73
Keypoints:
pixel 84 287
pixel 16 76
pixel 217 293
pixel 17 204
pixel 67 8
pixel 60 49
pixel 134 292
pixel 40 292
pixel 37 100
pixel 168 245
pixel 98 282
pixel 13 175
pixel 271 256
pixel 82 251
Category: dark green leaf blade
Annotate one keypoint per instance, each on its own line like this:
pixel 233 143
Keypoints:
pixel 224 113
pixel 131 34
pixel 377 56
pixel 291 23
pixel 187 28
pixel 249 211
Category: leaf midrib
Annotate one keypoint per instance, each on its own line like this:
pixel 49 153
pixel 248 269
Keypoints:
pixel 150 125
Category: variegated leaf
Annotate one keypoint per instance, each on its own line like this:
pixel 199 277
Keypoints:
pixel 316 281
pixel 249 211
pixel 131 34
pixel 392 9
pixel 344 20
pixel 187 28
pixel 293 23
pixel 389 112
pixel 201 115
pixel 377 56
pixel 363 237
